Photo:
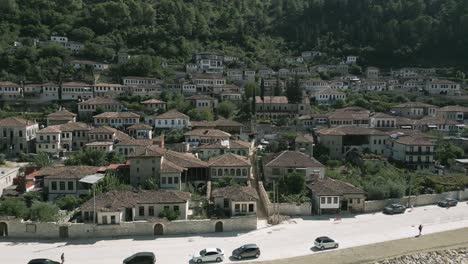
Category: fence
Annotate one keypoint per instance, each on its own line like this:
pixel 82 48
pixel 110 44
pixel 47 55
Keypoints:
pixel 418 200
pixel 23 229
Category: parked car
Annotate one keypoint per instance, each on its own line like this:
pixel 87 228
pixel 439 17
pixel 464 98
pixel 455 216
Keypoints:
pixel 394 209
pixel 141 258
pixel 208 254
pixel 43 261
pixel 325 242
pixel 246 251
pixel 447 202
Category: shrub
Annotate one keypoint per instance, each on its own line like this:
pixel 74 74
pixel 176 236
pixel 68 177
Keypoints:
pixel 68 202
pixel 14 207
pixel 44 212
pixel 171 215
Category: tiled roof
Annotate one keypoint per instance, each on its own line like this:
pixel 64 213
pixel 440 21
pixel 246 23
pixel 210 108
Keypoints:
pixel 61 114
pixel 136 142
pixel 354 115
pixel 185 160
pixel 330 91
pixel 228 144
pixel 75 84
pixel 382 115
pixel 414 140
pixel 413 105
pixel 140 126
pixel 74 126
pixel 153 101
pixel 227 123
pixel 172 114
pixel 119 200
pixel 50 129
pixel 327 186
pixel 229 160
pixel 349 130
pixel 100 101
pixel 271 100
pixel 8 84
pixel 304 138
pixel 108 84
pixel 216 133
pixel 453 108
pixel 169 167
pixel 16 122
pixel 67 172
pixel 117 115
pixel 435 121
pixel 236 193
pixel 293 159
pixel 100 143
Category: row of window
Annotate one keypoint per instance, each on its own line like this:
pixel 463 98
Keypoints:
pixel 242 208
pixel 229 172
pixel 62 186
pixel 169 180
pixel 141 210
pixel 115 121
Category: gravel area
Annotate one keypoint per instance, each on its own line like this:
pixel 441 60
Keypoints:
pixel 455 256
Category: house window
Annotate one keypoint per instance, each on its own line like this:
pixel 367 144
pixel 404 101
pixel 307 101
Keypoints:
pixel 322 200
pixel 244 207
pixel 163 180
pixel 335 200
pixel 169 180
pixel 237 208
pixel 176 180
pixel 104 220
pixel 176 208
pixel 54 186
pixel 151 211
pixel 70 186
pixel 226 203
pixel 86 216
pixel 112 219
pixel 358 200
pixel 141 210
pixel 251 208
pixel 62 186
pixel 329 200
pixel 351 201
pixel 166 207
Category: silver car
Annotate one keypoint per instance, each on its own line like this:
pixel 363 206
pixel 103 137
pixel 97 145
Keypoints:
pixel 325 242
pixel 208 255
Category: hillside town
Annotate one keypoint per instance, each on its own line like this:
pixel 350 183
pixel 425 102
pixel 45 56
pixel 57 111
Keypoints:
pixel 237 147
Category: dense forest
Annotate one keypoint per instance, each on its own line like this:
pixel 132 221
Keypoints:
pixel 383 32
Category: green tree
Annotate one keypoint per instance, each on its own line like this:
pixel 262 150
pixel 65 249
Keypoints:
pixel 171 215
pixel 251 89
pixel 294 91
pixel 44 212
pixel 201 114
pixel 262 89
pixel 42 159
pixel 14 207
pixel 446 152
pixel 278 90
pixel 226 109
pixel 87 157
pixel 292 183
pixel 68 202
pixel 224 182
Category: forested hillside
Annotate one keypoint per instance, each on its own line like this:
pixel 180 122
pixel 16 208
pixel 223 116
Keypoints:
pixel 384 32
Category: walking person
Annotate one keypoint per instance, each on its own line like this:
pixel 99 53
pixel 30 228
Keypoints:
pixel 62 258
pixel 420 229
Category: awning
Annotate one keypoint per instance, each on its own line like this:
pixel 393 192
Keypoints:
pixel 92 179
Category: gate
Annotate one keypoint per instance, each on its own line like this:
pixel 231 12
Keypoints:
pixel 158 230
pixel 63 232
pixel 3 229
pixel 219 226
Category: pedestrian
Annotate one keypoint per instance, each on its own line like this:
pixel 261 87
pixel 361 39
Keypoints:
pixel 420 229
pixel 62 258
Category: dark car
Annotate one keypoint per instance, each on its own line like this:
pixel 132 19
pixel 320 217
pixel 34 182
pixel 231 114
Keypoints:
pixel 394 209
pixel 447 202
pixel 246 251
pixel 141 258
pixel 43 261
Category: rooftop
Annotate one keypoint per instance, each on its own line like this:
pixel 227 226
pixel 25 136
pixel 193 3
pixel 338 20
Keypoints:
pixel 229 160
pixel 236 193
pixel 327 186
pixel 293 159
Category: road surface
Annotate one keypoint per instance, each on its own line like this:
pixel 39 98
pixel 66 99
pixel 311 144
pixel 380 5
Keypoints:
pixel 276 242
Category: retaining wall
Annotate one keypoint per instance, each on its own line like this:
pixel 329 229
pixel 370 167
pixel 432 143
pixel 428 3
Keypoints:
pixel 291 208
pixel 263 195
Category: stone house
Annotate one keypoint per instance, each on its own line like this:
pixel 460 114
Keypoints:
pixel 442 87
pixel 330 196
pixel 239 147
pixel 453 112
pixel 60 117
pixel 127 206
pixel 414 151
pixel 274 107
pixel 7 175
pixel 230 165
pixel 414 110
pixel 171 119
pixel 304 143
pixel 89 107
pixel 236 200
pixel 372 73
pixel 116 119
pixel 140 131
pixel 131 80
pixel 152 90
pixel 76 91
pixel 209 62
pixel 107 134
pixel 155 105
pixel 10 91
pixel 382 121
pixel 286 162
pixel 203 136
pixel 203 101
pixel 110 90
pixel 349 116
pixel 17 135
pixel 230 126
pixel 329 96
pixel 208 83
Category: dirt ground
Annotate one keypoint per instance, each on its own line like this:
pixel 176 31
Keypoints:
pixel 375 252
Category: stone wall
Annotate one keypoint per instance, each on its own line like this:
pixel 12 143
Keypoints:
pixel 23 229
pixel 419 200
pixel 291 208
pixel 264 198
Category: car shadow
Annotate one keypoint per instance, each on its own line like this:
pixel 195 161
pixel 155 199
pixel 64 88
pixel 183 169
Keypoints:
pixel 233 259
pixel 314 249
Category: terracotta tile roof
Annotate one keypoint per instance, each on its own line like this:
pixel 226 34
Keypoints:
pixel 327 186
pixel 16 122
pixel 169 167
pixel 74 126
pixel 153 101
pixel 136 142
pixel 293 159
pixel 108 85
pixel 61 114
pixel 119 200
pixel 453 108
pixel 414 140
pixel 229 160
pixel 435 121
pixel 100 143
pixel 100 101
pixel 330 91
pixel 236 193
pixel 67 172
pixel 8 84
pixel 227 123
pixel 354 115
pixel 349 130
pixel 402 121
pixel 50 129
pixel 102 130
pixel 117 115
pixel 204 123
pixel 185 160
pixel 75 84
pixel 171 114
pixel 272 100
pixel 140 126
pixel 382 115
pixel 215 133
pixel 304 138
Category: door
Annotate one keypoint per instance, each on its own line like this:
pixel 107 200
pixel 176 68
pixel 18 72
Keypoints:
pixel 219 226
pixel 344 205
pixel 3 229
pixel 158 230
pixel 128 214
pixel 63 232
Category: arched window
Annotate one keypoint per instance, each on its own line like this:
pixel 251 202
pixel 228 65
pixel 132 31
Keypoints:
pixel 233 172
pixel 238 172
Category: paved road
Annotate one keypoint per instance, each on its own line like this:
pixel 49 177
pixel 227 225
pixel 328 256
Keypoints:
pixel 277 242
